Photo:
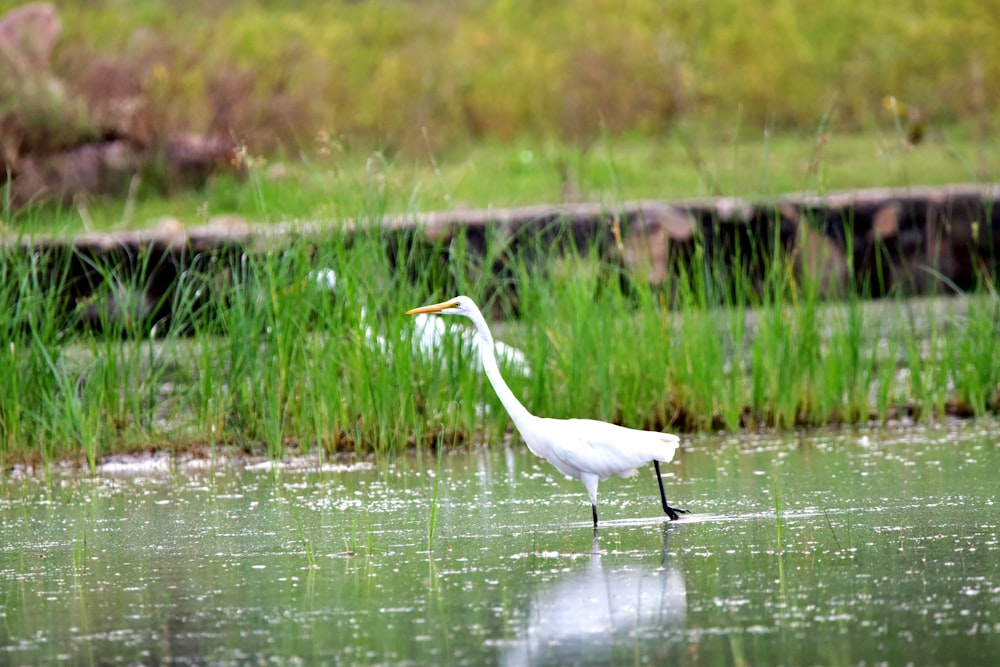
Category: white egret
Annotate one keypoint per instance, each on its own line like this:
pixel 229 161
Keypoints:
pixel 584 449
pixel 427 333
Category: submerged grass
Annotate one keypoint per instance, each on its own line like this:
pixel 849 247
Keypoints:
pixel 283 360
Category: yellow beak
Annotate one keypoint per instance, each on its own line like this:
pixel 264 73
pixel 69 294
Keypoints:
pixel 436 308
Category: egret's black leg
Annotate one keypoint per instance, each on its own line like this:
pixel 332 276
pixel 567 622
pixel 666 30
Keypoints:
pixel 672 512
pixel 594 508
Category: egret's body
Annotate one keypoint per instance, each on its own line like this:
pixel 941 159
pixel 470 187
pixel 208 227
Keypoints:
pixel 584 449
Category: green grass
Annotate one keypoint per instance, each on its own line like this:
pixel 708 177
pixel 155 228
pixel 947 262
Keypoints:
pixel 278 365
pixel 690 162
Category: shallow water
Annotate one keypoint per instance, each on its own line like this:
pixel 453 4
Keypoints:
pixel 842 547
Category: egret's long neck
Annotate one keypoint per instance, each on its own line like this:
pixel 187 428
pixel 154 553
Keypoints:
pixel 518 413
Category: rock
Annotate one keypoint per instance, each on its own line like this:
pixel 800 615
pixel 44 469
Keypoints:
pixel 58 145
pixel 818 257
pixel 95 168
pixel 192 158
pixel 27 36
pixel 647 246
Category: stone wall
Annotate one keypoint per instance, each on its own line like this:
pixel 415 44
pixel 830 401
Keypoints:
pixel 875 242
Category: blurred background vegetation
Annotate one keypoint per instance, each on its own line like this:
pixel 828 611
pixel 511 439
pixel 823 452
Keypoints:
pixel 404 75
pixel 338 107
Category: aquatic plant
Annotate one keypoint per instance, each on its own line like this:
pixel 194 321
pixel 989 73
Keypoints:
pixel 271 359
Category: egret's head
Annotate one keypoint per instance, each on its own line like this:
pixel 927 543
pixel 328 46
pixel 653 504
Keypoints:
pixel 460 305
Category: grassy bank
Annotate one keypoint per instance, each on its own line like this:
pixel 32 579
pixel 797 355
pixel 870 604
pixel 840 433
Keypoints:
pixel 280 363
pixel 325 181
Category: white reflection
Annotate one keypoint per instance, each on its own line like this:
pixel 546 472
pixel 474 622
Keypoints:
pixel 588 612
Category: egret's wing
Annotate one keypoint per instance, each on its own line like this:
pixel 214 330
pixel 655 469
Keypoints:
pixel 606 449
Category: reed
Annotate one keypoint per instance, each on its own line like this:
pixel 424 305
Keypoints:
pixel 435 506
pixel 282 361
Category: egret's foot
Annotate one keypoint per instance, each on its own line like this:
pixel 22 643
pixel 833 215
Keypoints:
pixel 674 512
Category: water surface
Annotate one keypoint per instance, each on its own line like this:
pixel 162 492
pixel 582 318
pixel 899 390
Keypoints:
pixel 838 547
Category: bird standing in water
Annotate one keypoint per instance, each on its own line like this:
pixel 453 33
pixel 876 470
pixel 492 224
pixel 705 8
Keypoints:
pixel 584 449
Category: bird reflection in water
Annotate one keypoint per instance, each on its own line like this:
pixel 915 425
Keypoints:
pixel 603 614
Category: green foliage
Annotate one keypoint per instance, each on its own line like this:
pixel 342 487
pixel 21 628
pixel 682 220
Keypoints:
pixel 277 362
pixel 398 75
